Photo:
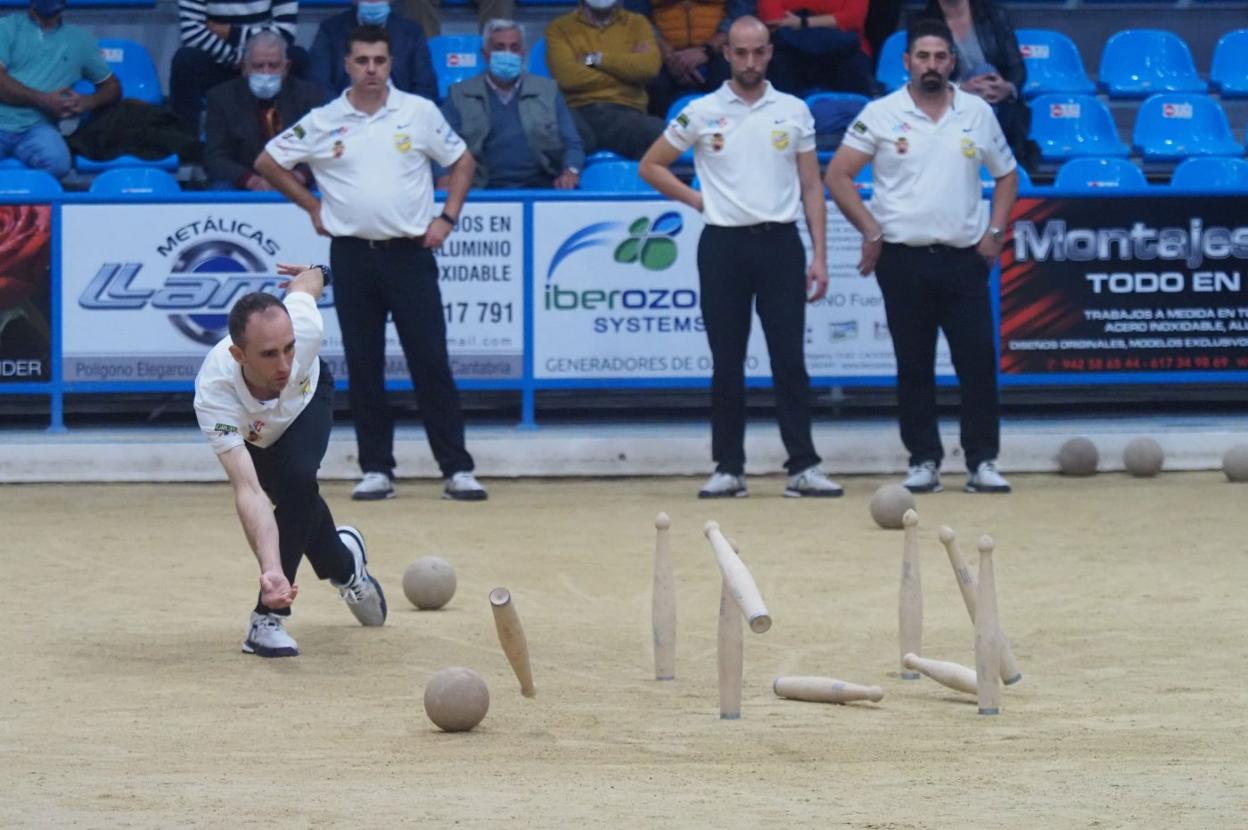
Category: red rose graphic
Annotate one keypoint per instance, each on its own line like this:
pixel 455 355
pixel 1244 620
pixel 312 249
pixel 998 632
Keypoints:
pixel 25 251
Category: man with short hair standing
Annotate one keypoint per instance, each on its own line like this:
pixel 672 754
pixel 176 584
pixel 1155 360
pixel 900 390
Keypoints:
pixel 754 152
pixel 370 150
pixel 931 242
pixel 265 399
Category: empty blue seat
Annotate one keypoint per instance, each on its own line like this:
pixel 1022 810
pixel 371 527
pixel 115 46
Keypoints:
pixel 1173 126
pixel 1098 173
pixel 1024 178
pixel 537 59
pixel 1212 173
pixel 134 68
pixel 834 111
pixel 603 155
pixel 890 71
pixel 1228 73
pixel 19 181
pixel 455 58
pixel 614 177
pixel 1053 64
pixel 88 165
pixel 1069 126
pixel 1137 63
pixel 125 181
pixel 11 162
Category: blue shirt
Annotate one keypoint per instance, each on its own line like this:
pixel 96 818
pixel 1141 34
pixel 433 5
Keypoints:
pixel 45 60
pixel 411 67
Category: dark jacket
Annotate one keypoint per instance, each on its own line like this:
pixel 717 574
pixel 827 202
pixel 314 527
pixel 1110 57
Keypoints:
pixel 233 124
pixel 411 68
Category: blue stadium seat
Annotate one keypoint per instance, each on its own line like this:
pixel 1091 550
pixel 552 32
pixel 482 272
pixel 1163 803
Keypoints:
pixel 124 181
pixel 1136 63
pixel 23 182
pixel 1053 64
pixel 834 111
pixel 1069 126
pixel 134 68
pixel 1173 126
pixel 614 177
pixel 11 163
pixel 455 57
pixel 1099 173
pixel 1212 173
pixel 601 156
pixel 1024 178
pixel 87 165
pixel 1228 73
pixel 891 71
pixel 537 59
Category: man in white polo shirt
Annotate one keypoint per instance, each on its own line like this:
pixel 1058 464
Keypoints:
pixel 754 151
pixel 264 398
pixel 931 242
pixel 369 150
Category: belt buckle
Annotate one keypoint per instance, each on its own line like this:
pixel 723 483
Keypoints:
pixel 378 244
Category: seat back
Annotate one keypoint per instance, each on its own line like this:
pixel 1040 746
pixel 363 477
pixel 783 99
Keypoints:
pixel 455 58
pixel 1067 126
pixel 1172 126
pixel 834 111
pixel 135 181
pixel 1136 63
pixel 134 68
pixel 891 71
pixel 1228 72
pixel 614 177
pixel 1212 173
pixel 1053 64
pixel 1099 173
pixel 537 59
pixel 20 181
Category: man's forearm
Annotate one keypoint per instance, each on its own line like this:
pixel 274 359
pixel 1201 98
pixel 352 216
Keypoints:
pixel 256 515
pixel 106 92
pixel 1003 196
pixel 816 221
pixel 285 182
pixel 459 182
pixel 16 93
pixel 851 206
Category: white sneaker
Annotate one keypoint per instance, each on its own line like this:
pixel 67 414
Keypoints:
pixel 463 486
pixel 723 486
pixel 362 592
pixel 986 479
pixel 812 482
pixel 267 637
pixel 923 478
pixel 373 487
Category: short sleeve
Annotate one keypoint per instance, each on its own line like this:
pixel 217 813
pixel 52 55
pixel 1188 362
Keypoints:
pixel 682 130
pixel 442 144
pixel 805 130
pixel 295 145
pixel 6 40
pixel 862 134
pixel 94 68
pixel 998 157
pixel 219 425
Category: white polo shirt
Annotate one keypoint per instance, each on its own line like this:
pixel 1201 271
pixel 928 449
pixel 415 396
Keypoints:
pixel 227 411
pixel 372 170
pixel 746 154
pixel 925 174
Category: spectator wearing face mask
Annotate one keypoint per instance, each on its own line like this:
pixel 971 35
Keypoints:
pixel 411 68
pixel 516 125
pixel 245 113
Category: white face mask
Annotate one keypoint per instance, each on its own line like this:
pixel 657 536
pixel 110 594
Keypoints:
pixel 600 5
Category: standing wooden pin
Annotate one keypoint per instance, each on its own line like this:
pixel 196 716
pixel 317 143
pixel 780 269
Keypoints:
pixel 663 609
pixel 731 652
pixel 1010 672
pixel 511 637
pixel 739 580
pixel 987 633
pixel 910 596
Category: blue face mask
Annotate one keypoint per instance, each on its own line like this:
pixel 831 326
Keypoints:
pixel 372 13
pixel 264 87
pixel 505 66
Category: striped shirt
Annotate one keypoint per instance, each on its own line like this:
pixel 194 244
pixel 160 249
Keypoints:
pixel 244 17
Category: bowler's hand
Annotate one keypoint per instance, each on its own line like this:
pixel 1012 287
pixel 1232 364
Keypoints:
pixel 567 180
pixel 276 591
pixel 989 248
pixel 870 256
pixel 816 281
pixel 437 232
pixel 287 270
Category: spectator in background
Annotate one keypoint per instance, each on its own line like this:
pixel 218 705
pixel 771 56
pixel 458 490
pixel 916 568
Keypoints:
pixel 411 68
pixel 883 18
pixel 819 44
pixel 426 12
pixel 691 35
pixel 213 35
pixel 246 113
pixel 41 56
pixel 990 65
pixel 516 125
pixel 603 57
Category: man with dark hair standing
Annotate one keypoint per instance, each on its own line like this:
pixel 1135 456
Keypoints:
pixel 931 242
pixel 754 151
pixel 265 398
pixel 370 150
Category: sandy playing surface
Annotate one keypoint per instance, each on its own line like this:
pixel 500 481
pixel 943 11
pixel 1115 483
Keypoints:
pixel 126 701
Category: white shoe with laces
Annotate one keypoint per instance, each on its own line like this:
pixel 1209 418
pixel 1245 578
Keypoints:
pixel 267 637
pixel 987 479
pixel 362 592
pixel 723 486
pixel 923 478
pixel 373 487
pixel 812 482
pixel 463 486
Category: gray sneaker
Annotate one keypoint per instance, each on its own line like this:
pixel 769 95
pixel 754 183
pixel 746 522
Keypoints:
pixel 812 482
pixel 362 592
pixel 373 487
pixel 723 486
pixel 267 637
pixel 986 479
pixel 463 486
pixel 923 478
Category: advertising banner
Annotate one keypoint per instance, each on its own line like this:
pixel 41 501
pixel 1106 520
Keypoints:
pixel 616 295
pixel 25 293
pixel 1131 284
pixel 147 288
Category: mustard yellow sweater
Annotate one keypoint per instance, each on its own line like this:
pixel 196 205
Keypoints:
pixel 630 58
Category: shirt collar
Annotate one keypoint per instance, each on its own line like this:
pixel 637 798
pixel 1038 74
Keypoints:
pixel 346 109
pixel 727 96
pixel 909 106
pixel 504 95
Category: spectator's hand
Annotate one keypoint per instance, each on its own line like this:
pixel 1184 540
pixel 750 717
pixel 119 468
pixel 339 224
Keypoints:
pixel 989 248
pixel 567 180
pixel 276 591
pixel 975 85
pixel 997 89
pixel 221 30
pixel 683 65
pixel 816 281
pixel 789 21
pixel 315 216
pixel 437 232
pixel 60 104
pixel 258 184
pixel 870 256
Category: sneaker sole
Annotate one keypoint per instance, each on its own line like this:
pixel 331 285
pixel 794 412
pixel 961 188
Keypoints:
pixel 935 488
pixel 381 595
pixel 263 651
pixel 971 488
pixel 813 494
pixel 382 496
pixel 470 496
pixel 731 494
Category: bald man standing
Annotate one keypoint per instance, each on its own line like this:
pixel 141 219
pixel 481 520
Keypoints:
pixel 754 152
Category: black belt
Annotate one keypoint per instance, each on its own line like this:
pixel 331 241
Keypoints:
pixel 761 227
pixel 382 244
pixel 934 248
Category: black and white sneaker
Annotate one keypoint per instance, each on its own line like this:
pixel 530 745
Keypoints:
pixel 362 592
pixel 373 487
pixel 267 637
pixel 986 479
pixel 923 478
pixel 463 486
pixel 812 482
pixel 723 486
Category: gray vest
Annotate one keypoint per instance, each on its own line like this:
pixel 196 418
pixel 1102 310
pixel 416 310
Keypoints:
pixel 472 98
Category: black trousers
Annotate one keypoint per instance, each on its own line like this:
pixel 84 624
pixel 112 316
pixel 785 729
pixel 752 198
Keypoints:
pixel 397 278
pixel 738 268
pixel 617 128
pixel 287 472
pixel 935 287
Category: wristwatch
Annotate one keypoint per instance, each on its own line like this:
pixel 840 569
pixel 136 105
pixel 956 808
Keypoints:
pixel 997 234
pixel 446 217
pixel 575 171
pixel 326 273
pixel 593 59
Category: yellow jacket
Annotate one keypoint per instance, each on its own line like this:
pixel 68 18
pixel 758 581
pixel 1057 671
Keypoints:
pixel 630 58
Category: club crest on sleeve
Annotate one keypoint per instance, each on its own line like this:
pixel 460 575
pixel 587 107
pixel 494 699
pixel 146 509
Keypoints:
pixel 298 131
pixel 225 429
pixel 683 119
pixel 859 127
